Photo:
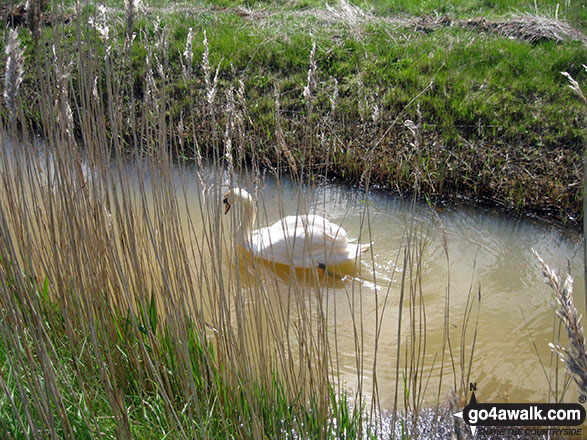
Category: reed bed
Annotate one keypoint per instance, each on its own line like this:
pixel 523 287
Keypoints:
pixel 126 309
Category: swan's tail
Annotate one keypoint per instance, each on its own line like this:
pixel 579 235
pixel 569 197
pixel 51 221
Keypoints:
pixel 355 249
pixel 364 247
pixel 361 247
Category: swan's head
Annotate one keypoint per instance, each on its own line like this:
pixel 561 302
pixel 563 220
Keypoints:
pixel 236 195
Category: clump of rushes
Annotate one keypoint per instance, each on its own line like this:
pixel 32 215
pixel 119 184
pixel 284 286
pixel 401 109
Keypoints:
pixel 575 356
pixel 13 73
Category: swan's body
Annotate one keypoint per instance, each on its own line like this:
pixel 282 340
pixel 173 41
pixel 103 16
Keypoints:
pixel 302 241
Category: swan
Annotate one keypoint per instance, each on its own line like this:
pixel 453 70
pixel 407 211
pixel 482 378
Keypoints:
pixel 299 241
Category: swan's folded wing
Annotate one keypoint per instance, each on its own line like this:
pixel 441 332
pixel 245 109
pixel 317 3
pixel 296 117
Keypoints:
pixel 303 241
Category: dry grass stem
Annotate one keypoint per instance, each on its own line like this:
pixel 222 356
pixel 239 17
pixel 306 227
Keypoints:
pixel 575 355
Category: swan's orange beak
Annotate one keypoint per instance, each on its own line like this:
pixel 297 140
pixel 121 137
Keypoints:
pixel 226 206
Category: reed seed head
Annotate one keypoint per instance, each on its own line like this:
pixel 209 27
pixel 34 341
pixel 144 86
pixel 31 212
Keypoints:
pixel 188 56
pixel 311 83
pixel 575 355
pixel 574 85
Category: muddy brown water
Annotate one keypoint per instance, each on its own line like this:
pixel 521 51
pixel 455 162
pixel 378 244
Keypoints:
pixel 488 253
pixel 489 259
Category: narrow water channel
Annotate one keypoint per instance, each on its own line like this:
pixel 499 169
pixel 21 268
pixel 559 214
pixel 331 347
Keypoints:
pixel 489 259
pixel 463 262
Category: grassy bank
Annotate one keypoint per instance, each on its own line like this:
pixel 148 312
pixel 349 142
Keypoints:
pixel 446 106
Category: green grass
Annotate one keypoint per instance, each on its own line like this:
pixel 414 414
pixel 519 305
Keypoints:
pixel 485 86
pixel 222 410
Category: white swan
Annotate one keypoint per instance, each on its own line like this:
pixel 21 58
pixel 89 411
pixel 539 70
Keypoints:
pixel 302 241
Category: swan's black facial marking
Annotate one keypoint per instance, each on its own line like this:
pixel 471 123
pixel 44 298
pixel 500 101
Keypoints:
pixel 226 205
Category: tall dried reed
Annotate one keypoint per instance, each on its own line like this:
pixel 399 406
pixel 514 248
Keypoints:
pixel 575 356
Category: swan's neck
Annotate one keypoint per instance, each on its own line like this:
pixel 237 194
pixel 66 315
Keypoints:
pixel 247 221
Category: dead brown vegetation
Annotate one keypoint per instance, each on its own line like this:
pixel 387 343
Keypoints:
pixel 30 14
pixel 526 27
